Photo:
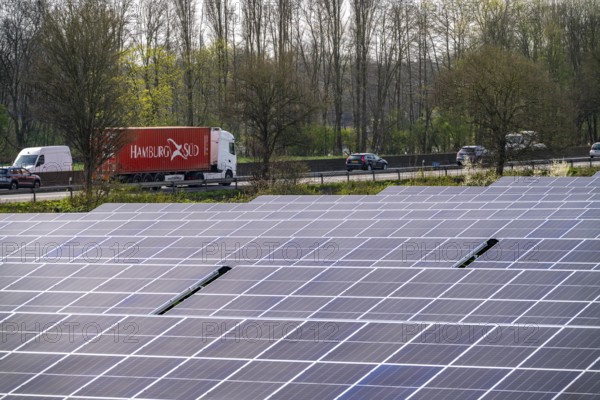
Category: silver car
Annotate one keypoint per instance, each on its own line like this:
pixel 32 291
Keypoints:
pixel 595 150
pixel 471 154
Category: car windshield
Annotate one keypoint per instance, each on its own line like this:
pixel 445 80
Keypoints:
pixel 596 146
pixel 514 139
pixel 3 171
pixel 355 157
pixel 468 150
pixel 26 160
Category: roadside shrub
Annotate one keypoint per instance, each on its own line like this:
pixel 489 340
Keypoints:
pixel 485 178
pixel 558 168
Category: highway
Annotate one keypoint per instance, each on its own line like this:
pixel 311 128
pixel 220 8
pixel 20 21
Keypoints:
pixel 47 193
pixel 27 195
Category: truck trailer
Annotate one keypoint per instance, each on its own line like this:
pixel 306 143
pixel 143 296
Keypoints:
pixel 159 154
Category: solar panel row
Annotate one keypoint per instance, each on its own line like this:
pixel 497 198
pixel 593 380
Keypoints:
pixel 348 297
pixel 172 357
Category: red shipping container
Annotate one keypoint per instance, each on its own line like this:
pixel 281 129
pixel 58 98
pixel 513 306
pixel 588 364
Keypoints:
pixel 164 149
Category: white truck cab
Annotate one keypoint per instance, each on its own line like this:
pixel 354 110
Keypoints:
pixel 223 159
pixel 45 159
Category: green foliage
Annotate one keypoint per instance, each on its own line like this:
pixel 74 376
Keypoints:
pixel 313 140
pixel 554 54
pixel 571 171
pixel 78 78
pixel 271 99
pixel 448 131
pixel 147 196
pixel 342 188
pixel 3 119
pixel 286 176
pixel 434 181
pixel 583 171
pixel 452 131
pixel 151 77
pixel 318 141
pixel 400 142
pixel 127 194
pixel 502 91
pixel 80 203
pixel 209 85
pixel 5 153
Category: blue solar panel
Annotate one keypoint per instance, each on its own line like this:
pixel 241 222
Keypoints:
pixel 329 296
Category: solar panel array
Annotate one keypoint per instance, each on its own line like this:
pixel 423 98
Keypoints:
pixel 349 297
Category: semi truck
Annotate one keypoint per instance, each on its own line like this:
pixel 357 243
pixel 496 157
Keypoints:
pixel 159 154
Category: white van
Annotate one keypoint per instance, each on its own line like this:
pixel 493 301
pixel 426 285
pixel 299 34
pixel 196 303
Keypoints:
pixel 45 159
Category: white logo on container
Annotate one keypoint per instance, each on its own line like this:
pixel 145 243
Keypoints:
pixel 177 151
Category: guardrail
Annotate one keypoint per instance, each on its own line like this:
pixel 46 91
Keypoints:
pixel 533 163
pixel 44 189
pixel 321 177
pixel 193 183
pixel 444 169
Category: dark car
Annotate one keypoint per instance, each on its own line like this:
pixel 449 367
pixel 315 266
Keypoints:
pixel 365 161
pixel 17 177
pixel 471 154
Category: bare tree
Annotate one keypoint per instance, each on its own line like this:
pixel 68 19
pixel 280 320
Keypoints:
pixel 281 14
pixel 495 21
pixel 529 28
pixel 400 22
pixel 422 64
pixel 272 100
pixel 313 54
pixel 503 92
pixel 580 25
pixel 410 17
pixel 452 25
pixel 590 92
pixel 150 67
pixel 185 10
pixel 20 24
pixel 218 14
pixel 385 51
pixel 363 13
pixel 254 30
pixel 78 78
pixel 336 29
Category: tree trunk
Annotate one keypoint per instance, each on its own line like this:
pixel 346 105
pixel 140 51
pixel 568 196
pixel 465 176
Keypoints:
pixel 501 152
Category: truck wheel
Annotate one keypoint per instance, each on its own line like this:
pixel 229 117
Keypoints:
pixel 197 176
pixel 228 178
pixel 13 185
pixel 158 178
pixel 137 178
pixel 36 184
pixel 148 178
